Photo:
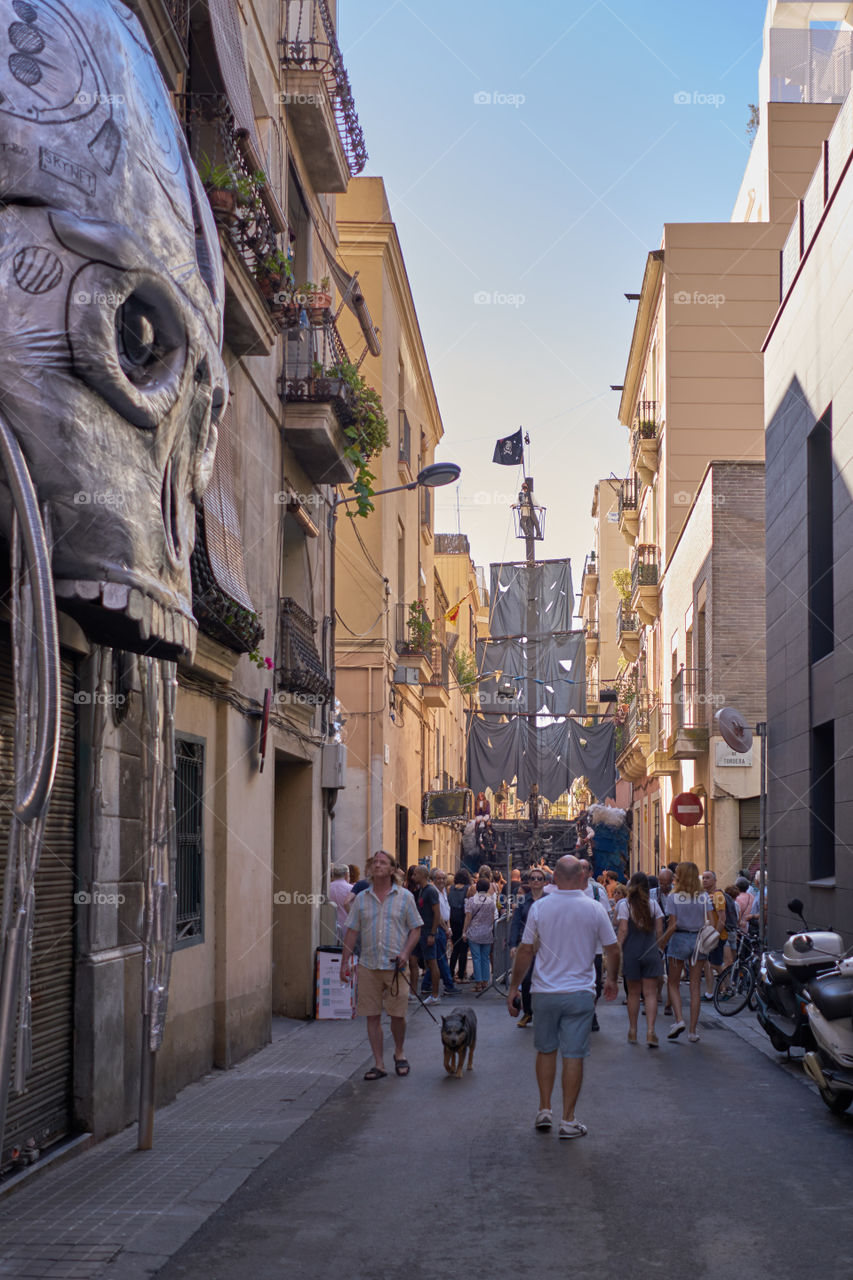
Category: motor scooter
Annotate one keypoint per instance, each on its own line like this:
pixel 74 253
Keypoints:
pixel 830 1015
pixel 782 980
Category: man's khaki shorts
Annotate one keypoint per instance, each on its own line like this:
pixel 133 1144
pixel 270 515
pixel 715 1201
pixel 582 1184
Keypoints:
pixel 374 993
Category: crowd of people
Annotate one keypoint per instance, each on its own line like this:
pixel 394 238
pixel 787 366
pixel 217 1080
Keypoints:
pixel 570 936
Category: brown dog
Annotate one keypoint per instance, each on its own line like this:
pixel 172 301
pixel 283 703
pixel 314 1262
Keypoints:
pixel 458 1033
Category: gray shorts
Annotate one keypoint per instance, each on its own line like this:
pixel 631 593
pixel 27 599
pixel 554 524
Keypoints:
pixel 563 1020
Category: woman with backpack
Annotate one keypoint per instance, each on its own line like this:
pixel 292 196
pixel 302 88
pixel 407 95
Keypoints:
pixel 639 932
pixel 456 895
pixel 479 931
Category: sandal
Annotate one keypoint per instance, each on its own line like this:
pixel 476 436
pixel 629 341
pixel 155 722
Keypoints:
pixel 375 1074
pixel 401 1066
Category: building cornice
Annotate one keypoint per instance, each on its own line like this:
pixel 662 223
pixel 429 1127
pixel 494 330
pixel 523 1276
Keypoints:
pixel 646 310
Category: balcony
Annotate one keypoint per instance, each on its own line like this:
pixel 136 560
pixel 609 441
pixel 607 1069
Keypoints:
pixel 414 639
pixel 301 674
pixel 660 762
pixel 591 638
pixel 317 404
pixel 810 65
pixel 166 23
pixel 629 503
pixel 645 572
pixel 404 455
pixel 644 441
pixel 317 95
pixel 627 632
pixel 426 513
pixel 631 762
pixel 589 578
pixel 436 690
pixel 249 218
pixel 689 739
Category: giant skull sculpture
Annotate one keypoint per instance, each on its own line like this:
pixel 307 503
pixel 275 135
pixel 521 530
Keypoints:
pixel 110 326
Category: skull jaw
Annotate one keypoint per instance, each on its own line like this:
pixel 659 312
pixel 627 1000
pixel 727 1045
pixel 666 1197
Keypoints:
pixel 131 617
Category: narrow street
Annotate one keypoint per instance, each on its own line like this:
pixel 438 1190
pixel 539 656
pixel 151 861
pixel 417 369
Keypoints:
pixel 711 1153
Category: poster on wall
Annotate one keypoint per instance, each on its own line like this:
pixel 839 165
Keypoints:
pixel 333 998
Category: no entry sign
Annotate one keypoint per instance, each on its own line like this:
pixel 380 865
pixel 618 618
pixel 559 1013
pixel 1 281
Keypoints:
pixel 687 809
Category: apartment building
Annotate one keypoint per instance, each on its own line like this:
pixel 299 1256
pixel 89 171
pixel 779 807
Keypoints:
pixel 693 395
pixel 396 664
pixel 809 406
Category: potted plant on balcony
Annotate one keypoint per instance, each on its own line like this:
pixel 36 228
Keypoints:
pixel 220 183
pixel 274 276
pixel 418 628
pixel 367 429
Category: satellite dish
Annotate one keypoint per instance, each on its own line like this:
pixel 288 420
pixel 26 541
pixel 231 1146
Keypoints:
pixel 736 732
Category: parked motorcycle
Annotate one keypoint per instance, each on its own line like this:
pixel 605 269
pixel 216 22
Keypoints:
pixel 830 1015
pixel 783 978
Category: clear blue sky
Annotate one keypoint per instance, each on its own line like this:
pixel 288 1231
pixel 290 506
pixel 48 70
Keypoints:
pixel 549 206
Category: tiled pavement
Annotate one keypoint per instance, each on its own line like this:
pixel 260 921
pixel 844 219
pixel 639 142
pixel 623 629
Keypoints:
pixel 118 1214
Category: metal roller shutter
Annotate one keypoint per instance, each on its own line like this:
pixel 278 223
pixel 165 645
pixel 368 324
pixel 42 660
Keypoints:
pixel 43 1113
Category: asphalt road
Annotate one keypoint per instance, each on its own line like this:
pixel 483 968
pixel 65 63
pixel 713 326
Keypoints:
pixel 702 1160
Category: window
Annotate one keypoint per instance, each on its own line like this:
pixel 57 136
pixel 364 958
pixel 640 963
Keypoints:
pixel 822 802
pixel 820 550
pixel 189 872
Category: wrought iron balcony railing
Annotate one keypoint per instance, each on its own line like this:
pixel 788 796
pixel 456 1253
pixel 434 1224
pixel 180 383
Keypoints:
pixel 689 702
pixel 638 718
pixel 414 629
pixel 310 44
pixel 626 621
pixel 301 672
pixel 179 12
pixel 645 566
pixel 629 495
pixel 660 726
pixel 440 661
pixel 215 144
pixel 311 356
pixel 646 419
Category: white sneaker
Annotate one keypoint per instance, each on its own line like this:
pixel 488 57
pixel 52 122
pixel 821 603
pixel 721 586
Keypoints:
pixel 544 1119
pixel 675 1031
pixel 572 1129
pixel 432 1000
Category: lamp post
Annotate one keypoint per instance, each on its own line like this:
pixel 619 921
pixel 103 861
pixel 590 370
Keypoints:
pixel 433 476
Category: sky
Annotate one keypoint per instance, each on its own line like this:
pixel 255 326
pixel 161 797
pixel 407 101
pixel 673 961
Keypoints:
pixel 532 153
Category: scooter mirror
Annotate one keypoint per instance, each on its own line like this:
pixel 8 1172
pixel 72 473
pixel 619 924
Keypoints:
pixel 796 906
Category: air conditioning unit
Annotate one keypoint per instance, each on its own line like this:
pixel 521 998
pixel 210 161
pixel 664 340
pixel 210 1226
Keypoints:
pixel 333 766
pixel 407 675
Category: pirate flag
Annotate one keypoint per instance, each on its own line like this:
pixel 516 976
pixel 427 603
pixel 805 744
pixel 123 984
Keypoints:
pixel 509 452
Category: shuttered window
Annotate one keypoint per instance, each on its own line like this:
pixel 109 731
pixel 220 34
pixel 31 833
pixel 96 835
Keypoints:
pixel 42 1115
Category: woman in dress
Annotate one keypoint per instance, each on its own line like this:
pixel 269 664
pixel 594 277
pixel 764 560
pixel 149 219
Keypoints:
pixel 479 932
pixel 686 909
pixel 639 932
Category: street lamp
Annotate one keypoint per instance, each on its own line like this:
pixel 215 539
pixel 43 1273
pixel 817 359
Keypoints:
pixel 433 476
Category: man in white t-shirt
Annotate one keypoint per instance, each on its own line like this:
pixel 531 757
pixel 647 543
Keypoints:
pixel 563 931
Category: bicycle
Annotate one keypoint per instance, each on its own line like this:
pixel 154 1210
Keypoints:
pixel 734 986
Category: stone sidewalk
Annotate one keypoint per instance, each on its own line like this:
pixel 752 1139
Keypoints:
pixel 118 1213
pixel 115 1213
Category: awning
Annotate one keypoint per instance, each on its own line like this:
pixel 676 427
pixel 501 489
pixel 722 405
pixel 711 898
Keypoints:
pixel 351 294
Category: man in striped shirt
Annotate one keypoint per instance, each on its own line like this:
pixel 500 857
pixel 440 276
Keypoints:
pixel 386 921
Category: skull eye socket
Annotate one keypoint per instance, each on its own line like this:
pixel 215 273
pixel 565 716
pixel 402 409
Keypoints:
pixel 146 338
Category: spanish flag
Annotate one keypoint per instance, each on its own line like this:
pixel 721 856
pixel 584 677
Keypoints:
pixel 453 614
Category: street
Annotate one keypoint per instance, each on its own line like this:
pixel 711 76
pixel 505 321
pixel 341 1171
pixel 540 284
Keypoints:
pixel 706 1159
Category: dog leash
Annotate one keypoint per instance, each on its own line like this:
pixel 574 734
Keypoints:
pixel 395 987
